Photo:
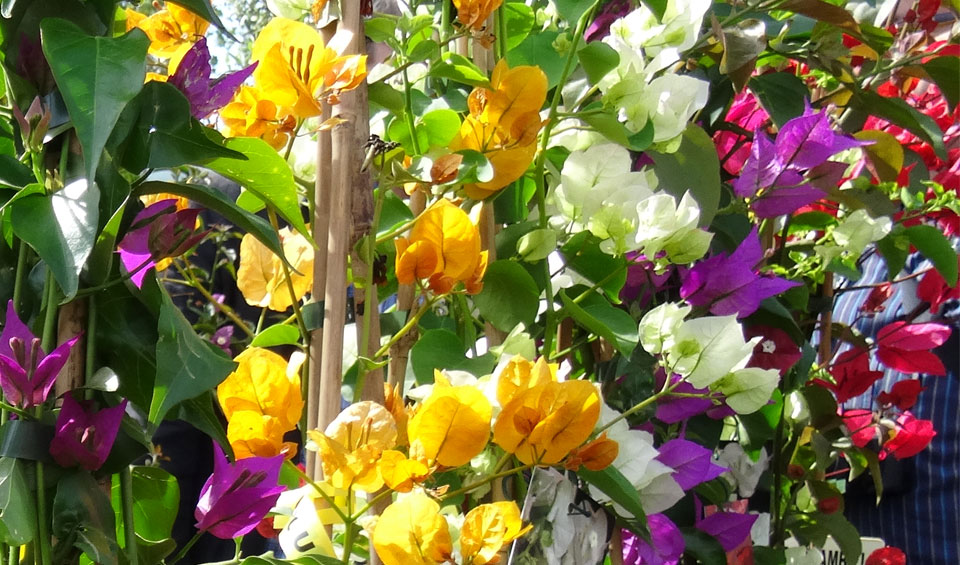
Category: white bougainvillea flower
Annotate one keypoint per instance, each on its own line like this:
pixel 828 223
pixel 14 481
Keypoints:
pixel 665 225
pixel 748 390
pixel 670 101
pixel 658 326
pixel 704 350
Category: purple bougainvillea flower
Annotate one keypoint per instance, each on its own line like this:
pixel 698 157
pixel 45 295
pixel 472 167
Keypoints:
pixel 27 373
pixel 729 284
pixel 192 78
pixel 808 140
pixel 674 409
pixel 692 463
pixel 85 438
pixel 667 548
pixel 642 279
pixel 157 232
pixel 237 496
pixel 611 12
pixel 222 337
pixel 729 528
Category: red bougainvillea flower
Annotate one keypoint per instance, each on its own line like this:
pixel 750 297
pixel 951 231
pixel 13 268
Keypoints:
pixel 903 395
pixel 27 372
pixel 876 299
pixel 933 289
pixel 237 496
pixel 85 438
pixel 906 347
pixel 887 556
pixel 851 374
pixel 912 436
pixel 861 426
pixel 776 349
pixel 733 148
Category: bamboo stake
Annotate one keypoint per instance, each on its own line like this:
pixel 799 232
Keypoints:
pixel 72 322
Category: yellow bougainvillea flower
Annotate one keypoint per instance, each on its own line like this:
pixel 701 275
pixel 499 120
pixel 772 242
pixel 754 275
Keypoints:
pixel 353 443
pixel 519 374
pixel 393 402
pixel 250 114
pixel 444 247
pixel 503 124
pixel 266 383
pixel 452 425
pixel 474 13
pixel 595 455
pixel 169 29
pixel 252 434
pixel 296 69
pixel 401 473
pixel 541 425
pixel 411 531
pixel 486 529
pixel 261 279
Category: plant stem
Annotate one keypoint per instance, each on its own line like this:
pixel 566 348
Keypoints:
pixel 226 310
pixel 43 528
pixel 183 551
pixel 368 290
pixel 408 112
pixel 289 281
pixel 485 480
pixel 14 555
pixel 20 274
pixel 14 410
pixel 411 323
pixel 380 496
pixel 126 503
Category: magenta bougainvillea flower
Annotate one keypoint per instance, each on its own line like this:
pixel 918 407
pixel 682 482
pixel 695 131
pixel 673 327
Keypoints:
pixel 907 347
pixel 237 496
pixel 192 78
pixel 83 437
pixel 27 373
pixel 730 284
pixel 773 176
pixel 666 547
pixel 729 528
pixel 692 463
pixel 157 232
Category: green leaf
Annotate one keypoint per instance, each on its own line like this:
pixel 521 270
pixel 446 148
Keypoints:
pixel 381 29
pixel 387 97
pixel 694 167
pixel 442 349
pixel 932 244
pixel 742 44
pixel 582 254
pixel 96 76
pixel 520 19
pixel 187 365
pixel 459 69
pixel 163 133
pixel 509 296
pixel 537 49
pixel 944 71
pixel 844 533
pixel 200 413
pixel 61 228
pixel 204 9
pixel 895 248
pixel 213 199
pixel 265 174
pixel 155 494
pixel 611 482
pixel 280 334
pixel 13 173
pixel 269 559
pixel 904 115
pixel 598 59
pixel 83 517
pixel 598 316
pixel 607 123
pixel 704 547
pixel 781 95
pixel 823 12
pixel 571 10
pixel 18 510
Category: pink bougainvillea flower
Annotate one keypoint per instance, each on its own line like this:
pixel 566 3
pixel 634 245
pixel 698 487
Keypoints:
pixel 192 78
pixel 913 436
pixel 903 395
pixel 776 349
pixel 82 437
pixel 666 546
pixel 237 496
pixel 933 289
pixel 158 231
pixel 851 374
pixel 730 284
pixel 861 426
pixel 907 347
pixel 27 372
pixel 733 148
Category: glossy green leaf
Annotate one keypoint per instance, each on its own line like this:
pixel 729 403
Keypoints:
pixel 520 19
pixel 537 49
pixel 280 334
pixel 598 59
pixel 381 28
pixel 509 296
pixel 895 248
pixel 264 173
pixel 201 413
pixel 61 228
pixel 823 12
pixel 781 94
pixel 694 167
pixel 83 518
pixel 597 315
pixel 571 10
pixel 442 349
pixel 96 76
pixel 18 508
pixel 458 69
pixel 704 547
pixel 155 494
pixel 932 244
pixel 187 365
pixel 582 254
pixel 945 71
pixel 904 115
pixel 13 173
pixel 612 483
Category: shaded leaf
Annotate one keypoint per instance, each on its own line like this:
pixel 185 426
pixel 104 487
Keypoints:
pixel 18 514
pixel 932 244
pixel 904 115
pixel 823 12
pixel 82 514
pixel 944 71
pixel 694 167
pixel 509 296
pixel 598 316
pixel 781 95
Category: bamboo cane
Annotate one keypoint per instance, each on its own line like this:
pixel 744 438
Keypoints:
pixel 72 322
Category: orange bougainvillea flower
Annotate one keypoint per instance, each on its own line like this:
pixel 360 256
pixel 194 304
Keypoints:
pixel 296 69
pixel 401 473
pixel 253 434
pixel 261 279
pixel 474 13
pixel 169 29
pixel 519 375
pixel 353 443
pixel 595 455
pixel 411 531
pixel 393 402
pixel 452 425
pixel 444 247
pixel 541 425
pixel 486 529
pixel 250 114
pixel 503 124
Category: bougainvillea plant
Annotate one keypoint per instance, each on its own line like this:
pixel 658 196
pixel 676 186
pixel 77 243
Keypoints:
pixel 402 265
